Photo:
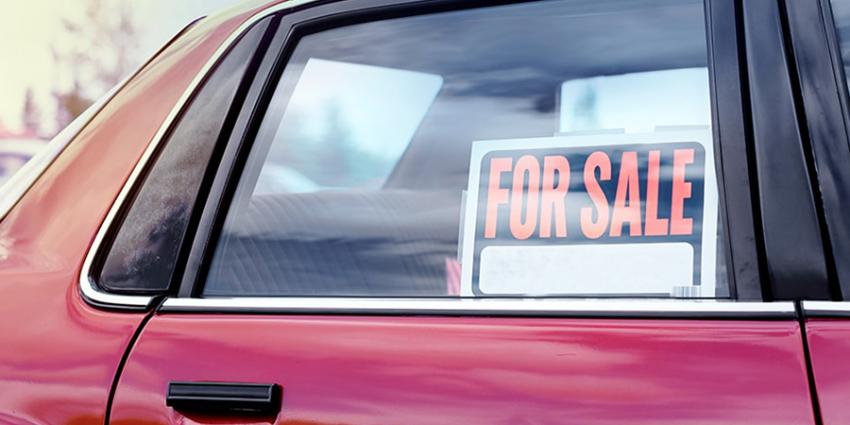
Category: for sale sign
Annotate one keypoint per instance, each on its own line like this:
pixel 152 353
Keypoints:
pixel 607 214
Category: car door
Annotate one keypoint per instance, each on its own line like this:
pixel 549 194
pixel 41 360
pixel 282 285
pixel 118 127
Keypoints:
pixel 459 212
pixel 820 38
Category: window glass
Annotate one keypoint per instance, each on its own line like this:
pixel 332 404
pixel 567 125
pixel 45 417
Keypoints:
pixel 557 148
pixel 144 252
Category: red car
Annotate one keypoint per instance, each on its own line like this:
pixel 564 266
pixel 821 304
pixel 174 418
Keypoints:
pixel 446 212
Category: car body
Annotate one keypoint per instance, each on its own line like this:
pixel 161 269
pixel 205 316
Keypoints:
pixel 142 284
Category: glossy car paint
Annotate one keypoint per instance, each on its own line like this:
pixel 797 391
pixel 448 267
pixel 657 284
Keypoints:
pixel 59 355
pixel 829 344
pixel 431 370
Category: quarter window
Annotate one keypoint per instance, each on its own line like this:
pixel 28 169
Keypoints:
pixel 143 254
pixel 558 148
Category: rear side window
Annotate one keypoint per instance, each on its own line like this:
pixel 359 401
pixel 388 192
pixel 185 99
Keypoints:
pixel 558 148
pixel 144 250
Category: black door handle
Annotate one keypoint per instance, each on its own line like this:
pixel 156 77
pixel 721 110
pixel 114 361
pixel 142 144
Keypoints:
pixel 224 398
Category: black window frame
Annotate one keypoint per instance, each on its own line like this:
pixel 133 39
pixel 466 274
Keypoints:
pixel 825 104
pixel 794 249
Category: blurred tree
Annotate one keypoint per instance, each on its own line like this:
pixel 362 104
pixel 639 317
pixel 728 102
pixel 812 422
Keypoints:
pixel 334 157
pixel 93 54
pixel 31 117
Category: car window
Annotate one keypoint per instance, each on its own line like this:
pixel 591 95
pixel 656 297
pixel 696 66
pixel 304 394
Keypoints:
pixel 144 250
pixel 558 148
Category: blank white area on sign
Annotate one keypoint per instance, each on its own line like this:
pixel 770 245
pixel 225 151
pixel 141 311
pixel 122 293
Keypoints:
pixel 637 101
pixel 597 269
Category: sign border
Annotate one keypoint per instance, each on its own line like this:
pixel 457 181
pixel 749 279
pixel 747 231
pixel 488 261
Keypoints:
pixel 700 135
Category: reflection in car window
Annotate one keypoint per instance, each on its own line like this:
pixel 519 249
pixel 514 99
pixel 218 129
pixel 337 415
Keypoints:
pixel 639 101
pixel 359 182
pixel 326 118
pixel 841 16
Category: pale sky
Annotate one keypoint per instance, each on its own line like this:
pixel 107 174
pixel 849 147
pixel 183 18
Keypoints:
pixel 29 27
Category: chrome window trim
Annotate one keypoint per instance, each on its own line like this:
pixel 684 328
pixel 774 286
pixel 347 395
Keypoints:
pixel 543 307
pixel 88 287
pixel 826 309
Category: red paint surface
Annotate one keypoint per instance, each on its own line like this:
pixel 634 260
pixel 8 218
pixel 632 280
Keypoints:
pixel 829 345
pixel 58 356
pixel 420 370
